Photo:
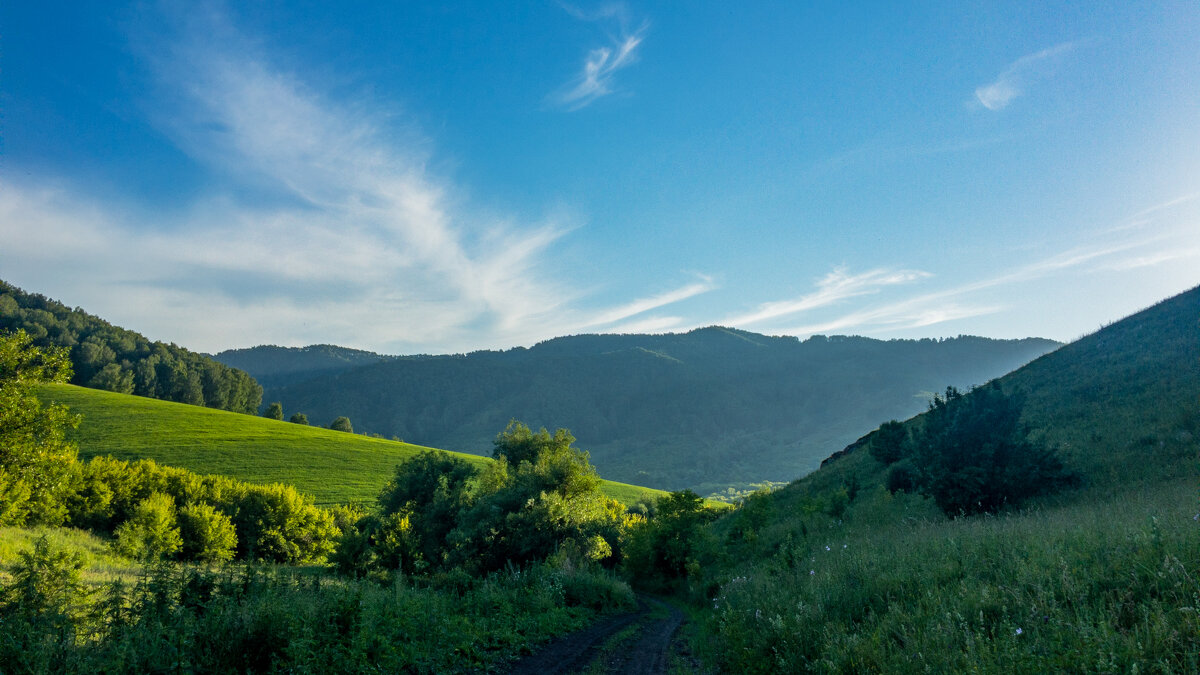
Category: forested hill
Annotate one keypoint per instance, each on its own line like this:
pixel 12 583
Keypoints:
pixel 275 366
pixel 104 356
pixel 703 409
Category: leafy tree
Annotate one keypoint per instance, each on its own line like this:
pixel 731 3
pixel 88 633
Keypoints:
pixel 152 532
pixel 973 455
pixel 661 550
pixel 518 443
pixel 542 496
pixel 299 418
pixel 889 443
pixel 427 494
pixel 37 463
pixel 274 411
pixel 342 424
pixel 112 378
pixel 208 535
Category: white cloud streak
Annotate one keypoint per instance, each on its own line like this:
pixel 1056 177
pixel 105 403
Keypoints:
pixel 1012 81
pixel 601 64
pixel 834 287
pixel 646 304
pixel 366 250
pixel 954 303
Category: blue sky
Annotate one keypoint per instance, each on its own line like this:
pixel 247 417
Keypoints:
pixel 462 176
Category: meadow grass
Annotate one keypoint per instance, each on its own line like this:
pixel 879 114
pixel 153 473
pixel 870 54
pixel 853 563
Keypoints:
pixel 1104 584
pixel 334 467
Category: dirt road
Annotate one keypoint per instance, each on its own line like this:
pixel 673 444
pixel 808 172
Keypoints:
pixel 638 643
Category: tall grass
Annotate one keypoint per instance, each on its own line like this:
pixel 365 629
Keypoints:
pixel 274 619
pixel 1099 586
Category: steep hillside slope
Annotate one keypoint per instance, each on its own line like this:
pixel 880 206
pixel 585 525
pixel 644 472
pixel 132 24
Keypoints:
pixel 332 466
pixel 1121 404
pixel 713 406
pixel 834 573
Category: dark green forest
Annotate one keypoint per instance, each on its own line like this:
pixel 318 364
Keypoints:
pixel 104 356
pixel 702 410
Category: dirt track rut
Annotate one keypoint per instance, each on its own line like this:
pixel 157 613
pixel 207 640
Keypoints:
pixel 646 652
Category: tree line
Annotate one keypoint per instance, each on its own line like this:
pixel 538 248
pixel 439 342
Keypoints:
pixel 103 356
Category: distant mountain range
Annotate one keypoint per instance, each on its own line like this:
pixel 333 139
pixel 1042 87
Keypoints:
pixel 704 409
pixel 279 366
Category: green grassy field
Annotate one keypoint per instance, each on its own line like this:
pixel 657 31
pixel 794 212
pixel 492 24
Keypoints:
pixel 332 466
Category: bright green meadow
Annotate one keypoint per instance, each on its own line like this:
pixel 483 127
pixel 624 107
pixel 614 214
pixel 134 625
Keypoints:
pixel 332 466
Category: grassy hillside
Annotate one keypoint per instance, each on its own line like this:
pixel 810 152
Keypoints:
pixel 332 466
pixel 714 406
pixel 834 574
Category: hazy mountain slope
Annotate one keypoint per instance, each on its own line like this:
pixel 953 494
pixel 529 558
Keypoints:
pixel 276 366
pixel 711 406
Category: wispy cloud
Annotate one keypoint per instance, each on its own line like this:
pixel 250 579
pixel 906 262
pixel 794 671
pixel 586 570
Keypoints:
pixel 1012 81
pixel 834 287
pixel 961 301
pixel 601 63
pixel 643 305
pixel 360 244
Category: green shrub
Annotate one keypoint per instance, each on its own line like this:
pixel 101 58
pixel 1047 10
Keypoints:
pixel 208 535
pixel 152 532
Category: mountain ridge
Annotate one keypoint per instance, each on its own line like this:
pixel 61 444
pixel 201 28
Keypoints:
pixel 710 406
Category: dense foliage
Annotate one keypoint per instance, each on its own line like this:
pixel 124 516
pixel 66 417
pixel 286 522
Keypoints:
pixel 713 406
pixel 104 356
pixel 540 499
pixel 36 461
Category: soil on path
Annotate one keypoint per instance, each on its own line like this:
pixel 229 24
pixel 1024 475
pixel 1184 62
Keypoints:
pixel 605 648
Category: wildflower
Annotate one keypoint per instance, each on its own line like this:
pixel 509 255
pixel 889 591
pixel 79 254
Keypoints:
pixel 1018 631
pixel 758 614
pixel 827 548
pixel 844 545
pixel 811 572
